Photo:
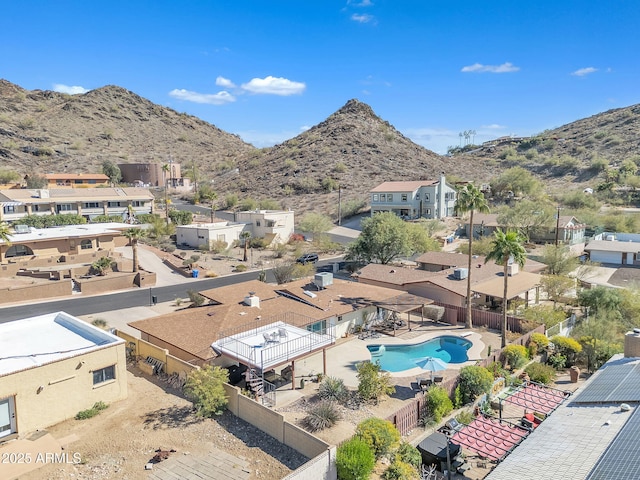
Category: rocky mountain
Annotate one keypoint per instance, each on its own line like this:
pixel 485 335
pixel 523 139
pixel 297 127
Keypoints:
pixel 50 132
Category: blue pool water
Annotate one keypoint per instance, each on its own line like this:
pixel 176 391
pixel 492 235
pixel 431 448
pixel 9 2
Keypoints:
pixel 395 358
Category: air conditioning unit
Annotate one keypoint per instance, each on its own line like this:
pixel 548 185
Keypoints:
pixel 512 269
pixel 460 273
pixel 323 279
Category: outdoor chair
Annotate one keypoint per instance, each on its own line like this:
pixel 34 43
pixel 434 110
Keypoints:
pixel 424 383
pixel 282 332
pixel 438 379
pixel 268 338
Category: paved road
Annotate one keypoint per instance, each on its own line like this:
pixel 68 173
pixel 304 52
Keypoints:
pixel 82 305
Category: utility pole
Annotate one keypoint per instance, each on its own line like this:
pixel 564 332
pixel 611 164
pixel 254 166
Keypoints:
pixel 339 205
pixel 557 226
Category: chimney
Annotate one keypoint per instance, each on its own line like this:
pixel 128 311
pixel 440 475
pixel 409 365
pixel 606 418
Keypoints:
pixel 632 344
pixel 252 300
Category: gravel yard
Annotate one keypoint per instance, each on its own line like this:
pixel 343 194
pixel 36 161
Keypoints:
pixel 118 442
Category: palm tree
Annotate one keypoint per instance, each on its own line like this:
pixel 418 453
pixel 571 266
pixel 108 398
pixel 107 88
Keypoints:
pixel 209 194
pixel 470 199
pixel 165 188
pixel 134 234
pixel 245 236
pixel 4 236
pixel 506 248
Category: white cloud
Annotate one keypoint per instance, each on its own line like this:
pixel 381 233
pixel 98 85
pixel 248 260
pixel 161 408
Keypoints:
pixel 274 86
pixel 75 90
pixel 363 3
pixel 364 18
pixel 506 67
pixel 219 98
pixel 304 128
pixel 493 126
pixel 581 72
pixel 224 82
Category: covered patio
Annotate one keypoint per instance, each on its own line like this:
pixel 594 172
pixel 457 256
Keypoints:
pixel 518 285
pixel 390 322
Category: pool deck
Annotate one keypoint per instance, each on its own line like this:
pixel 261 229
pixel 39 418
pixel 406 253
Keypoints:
pixel 348 352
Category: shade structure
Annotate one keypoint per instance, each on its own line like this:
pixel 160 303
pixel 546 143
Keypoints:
pixel 433 364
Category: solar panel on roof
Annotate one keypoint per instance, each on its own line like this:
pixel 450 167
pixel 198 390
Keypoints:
pixel 621 459
pixel 618 381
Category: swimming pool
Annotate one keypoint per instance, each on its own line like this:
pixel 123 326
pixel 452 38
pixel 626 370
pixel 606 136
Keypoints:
pixel 395 358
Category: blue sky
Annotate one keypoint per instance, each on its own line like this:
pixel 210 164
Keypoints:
pixel 267 70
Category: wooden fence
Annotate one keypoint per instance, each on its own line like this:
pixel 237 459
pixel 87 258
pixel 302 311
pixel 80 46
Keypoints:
pixel 481 318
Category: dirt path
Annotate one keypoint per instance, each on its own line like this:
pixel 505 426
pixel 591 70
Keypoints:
pixel 118 442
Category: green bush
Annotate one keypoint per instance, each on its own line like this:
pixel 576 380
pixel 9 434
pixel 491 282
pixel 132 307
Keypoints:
pixel 332 388
pixel 91 412
pixel 557 361
pixel 321 416
pixel 381 435
pixel 497 369
pixel 196 299
pixel 400 470
pixel 567 347
pixel 409 454
pixel 241 268
pixel 204 387
pixel 373 383
pixel 515 356
pixel 540 373
pixel 474 381
pixel 438 403
pixel 537 342
pixel 465 417
pixel 354 460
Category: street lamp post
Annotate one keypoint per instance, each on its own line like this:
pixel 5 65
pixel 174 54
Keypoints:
pixel 557 225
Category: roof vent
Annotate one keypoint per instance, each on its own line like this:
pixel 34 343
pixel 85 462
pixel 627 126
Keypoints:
pixel 636 330
pixel 309 293
pixel 624 407
pixel 252 300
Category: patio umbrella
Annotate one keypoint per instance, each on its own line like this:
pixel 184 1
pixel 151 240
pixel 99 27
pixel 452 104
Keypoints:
pixel 433 364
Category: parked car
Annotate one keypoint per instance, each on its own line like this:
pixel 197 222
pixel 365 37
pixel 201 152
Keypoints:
pixel 308 258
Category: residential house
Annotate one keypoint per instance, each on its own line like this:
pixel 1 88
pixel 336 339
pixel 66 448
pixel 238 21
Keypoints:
pixel 76 180
pixel 592 435
pixel 615 248
pixel 67 244
pixel 570 230
pixel 415 199
pixel 322 305
pixel 274 226
pixel 441 276
pixel 88 202
pixel 152 174
pixel 52 366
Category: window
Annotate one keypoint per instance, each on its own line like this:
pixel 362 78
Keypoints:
pixel 136 203
pixel 64 207
pixel 389 197
pixel 9 209
pixel 113 204
pixel 78 182
pixel 92 182
pixel 104 374
pixel 404 197
pixel 222 238
pixel 318 327
pixel 383 197
pixel 36 208
pixel 376 197
pixel 428 211
pixel 86 244
pixel 257 223
pixel 91 205
pixel 426 197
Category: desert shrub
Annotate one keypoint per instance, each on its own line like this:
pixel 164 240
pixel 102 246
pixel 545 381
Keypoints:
pixel 231 200
pixel 438 403
pixel 106 218
pixel 465 417
pixel 353 207
pixel 329 184
pixel 321 416
pixel 557 361
pixel 181 217
pixel 457 397
pixel 567 347
pixel 241 268
pixel 100 323
pixel 340 167
pixel 332 388
pixel 497 369
pixel 400 470
pixel 537 342
pixel 515 355
pixel 380 435
pixel 373 383
pixel 258 242
pixel 218 246
pixel 91 412
pixel 354 460
pixel 196 299
pixel 474 381
pixel 210 274
pixel 540 373
pixel 205 388
pixel 409 454
pixel 279 250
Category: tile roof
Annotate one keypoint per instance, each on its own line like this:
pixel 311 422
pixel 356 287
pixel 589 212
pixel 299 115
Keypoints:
pixel 195 329
pixel 410 186
pixel 448 259
pixel 520 283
